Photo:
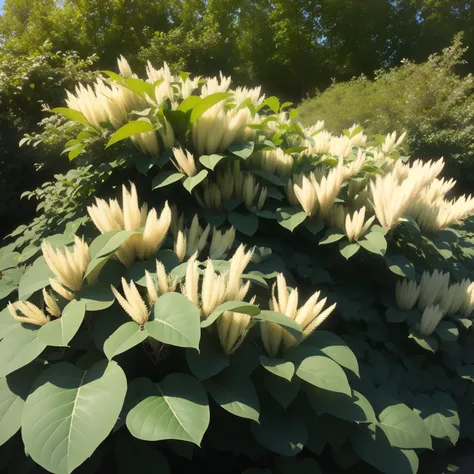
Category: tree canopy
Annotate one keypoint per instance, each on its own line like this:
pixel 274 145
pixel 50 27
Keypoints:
pixel 292 47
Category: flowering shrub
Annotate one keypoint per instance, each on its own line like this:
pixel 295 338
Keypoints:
pixel 283 295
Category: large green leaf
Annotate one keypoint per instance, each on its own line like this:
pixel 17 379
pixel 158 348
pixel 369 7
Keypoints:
pixel 13 392
pixel 235 306
pixel 324 373
pixel 375 242
pixel 404 428
pixel 96 297
pixel 191 182
pixel 107 323
pixel 60 331
pixel 124 338
pixel 331 236
pixel 280 367
pixel 70 412
pixel 138 86
pixel 351 408
pixel 19 347
pixel 211 161
pixel 71 114
pixel 241 149
pixel 245 223
pixel 130 129
pixel 280 432
pixel 176 321
pixel 371 444
pixel 9 260
pixel 209 361
pixel 440 415
pixel 166 178
pixel 7 323
pixel 176 408
pixel 284 321
pixel 280 389
pixel 329 344
pixel 104 247
pixel 206 103
pixel 34 279
pixel 290 218
pixel 235 393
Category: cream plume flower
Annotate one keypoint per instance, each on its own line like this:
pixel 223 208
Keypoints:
pixel 68 266
pixel 309 316
pixel 190 286
pixel 109 217
pixel 192 240
pixel 238 263
pixel 430 318
pixel 406 294
pixel 164 283
pixel 432 288
pixel 88 103
pixel 132 303
pixel 185 162
pixel 29 313
pixel 454 297
pixel 124 67
pixel 213 290
pixel 467 306
pixel 317 197
pixel 51 304
pixel 274 161
pixel 147 143
pixel 391 198
pixel 216 289
pixel 355 226
pixel 221 243
pixel 337 217
pixel 391 143
pixel 232 328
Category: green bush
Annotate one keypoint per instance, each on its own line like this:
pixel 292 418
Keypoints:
pixel 429 101
pixel 274 302
pixel 28 82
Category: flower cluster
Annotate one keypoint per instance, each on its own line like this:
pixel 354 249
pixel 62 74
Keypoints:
pixel 192 240
pixel 206 293
pixel 68 266
pixel 436 297
pixel 231 184
pixel 309 316
pixel 111 217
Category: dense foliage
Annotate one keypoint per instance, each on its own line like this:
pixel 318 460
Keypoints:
pixel 28 83
pixel 430 101
pixel 287 297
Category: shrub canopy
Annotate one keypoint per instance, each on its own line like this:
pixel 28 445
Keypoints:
pixel 217 278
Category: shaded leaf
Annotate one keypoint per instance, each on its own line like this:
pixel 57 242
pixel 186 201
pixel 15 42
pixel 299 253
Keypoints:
pixel 19 347
pixel 166 178
pixel 176 408
pixel 60 331
pixel 279 367
pixel 124 338
pixel 235 393
pixel 70 412
pixel 324 373
pixel 191 182
pixel 129 129
pixel 176 321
